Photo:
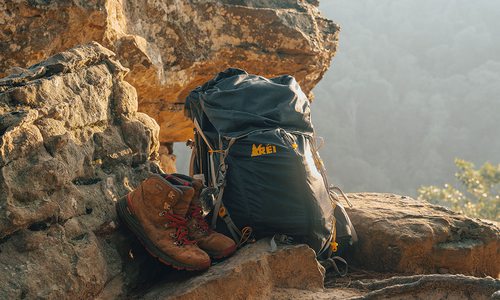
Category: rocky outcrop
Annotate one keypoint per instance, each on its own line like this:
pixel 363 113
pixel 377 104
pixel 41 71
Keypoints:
pixel 424 287
pixel 292 272
pixel 173 46
pixel 71 143
pixel 254 272
pixel 418 287
pixel 404 235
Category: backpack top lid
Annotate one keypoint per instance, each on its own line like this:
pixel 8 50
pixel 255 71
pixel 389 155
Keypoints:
pixel 237 103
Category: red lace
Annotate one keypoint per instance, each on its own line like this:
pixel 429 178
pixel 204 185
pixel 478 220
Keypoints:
pixel 180 223
pixel 196 213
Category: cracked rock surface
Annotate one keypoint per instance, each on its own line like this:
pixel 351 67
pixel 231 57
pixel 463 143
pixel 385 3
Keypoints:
pixel 254 272
pixel 401 234
pixel 71 143
pixel 172 46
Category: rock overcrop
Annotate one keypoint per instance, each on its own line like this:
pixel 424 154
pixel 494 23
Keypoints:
pixel 172 46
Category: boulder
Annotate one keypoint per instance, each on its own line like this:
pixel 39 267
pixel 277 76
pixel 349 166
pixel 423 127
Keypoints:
pixel 71 144
pixel 172 46
pixel 404 235
pixel 254 272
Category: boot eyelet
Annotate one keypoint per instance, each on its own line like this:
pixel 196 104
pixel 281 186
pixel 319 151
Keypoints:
pixel 162 213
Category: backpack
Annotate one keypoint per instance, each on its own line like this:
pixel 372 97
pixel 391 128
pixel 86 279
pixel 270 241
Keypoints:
pixel 254 147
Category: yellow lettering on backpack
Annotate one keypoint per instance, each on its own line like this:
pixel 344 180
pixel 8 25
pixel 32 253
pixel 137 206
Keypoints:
pixel 269 149
pixel 262 150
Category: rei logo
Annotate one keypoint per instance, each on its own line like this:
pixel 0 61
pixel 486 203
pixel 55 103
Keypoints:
pixel 262 150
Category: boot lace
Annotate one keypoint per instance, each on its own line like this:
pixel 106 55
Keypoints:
pixel 196 214
pixel 181 234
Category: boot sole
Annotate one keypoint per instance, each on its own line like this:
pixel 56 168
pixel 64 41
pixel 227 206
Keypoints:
pixel 133 224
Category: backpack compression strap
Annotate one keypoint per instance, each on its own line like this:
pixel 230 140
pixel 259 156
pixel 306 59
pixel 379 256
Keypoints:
pixel 219 182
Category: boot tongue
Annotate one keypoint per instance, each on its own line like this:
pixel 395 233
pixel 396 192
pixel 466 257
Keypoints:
pixel 182 205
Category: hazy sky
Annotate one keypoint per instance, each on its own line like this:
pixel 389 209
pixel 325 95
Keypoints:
pixel 413 85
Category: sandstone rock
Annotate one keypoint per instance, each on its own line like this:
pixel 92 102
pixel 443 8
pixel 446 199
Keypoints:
pixel 420 287
pixel 71 143
pixel 327 294
pixel 167 158
pixel 400 234
pixel 254 272
pixel 173 46
pixel 424 287
pixel 293 273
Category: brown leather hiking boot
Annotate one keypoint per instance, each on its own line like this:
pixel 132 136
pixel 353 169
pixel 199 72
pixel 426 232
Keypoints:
pixel 215 244
pixel 155 212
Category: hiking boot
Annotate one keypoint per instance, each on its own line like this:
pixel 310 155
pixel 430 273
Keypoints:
pixel 155 212
pixel 215 244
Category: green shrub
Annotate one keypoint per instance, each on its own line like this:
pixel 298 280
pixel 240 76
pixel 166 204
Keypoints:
pixel 478 194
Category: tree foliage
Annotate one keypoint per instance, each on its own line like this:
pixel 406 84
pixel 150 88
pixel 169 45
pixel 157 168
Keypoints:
pixel 478 194
pixel 414 84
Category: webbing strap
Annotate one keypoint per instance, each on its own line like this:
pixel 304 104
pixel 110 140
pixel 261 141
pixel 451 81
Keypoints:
pixel 321 168
pixel 212 169
pixel 220 183
pixel 233 229
pixel 331 188
pixel 211 151
pixel 217 207
pixel 331 263
pixel 198 128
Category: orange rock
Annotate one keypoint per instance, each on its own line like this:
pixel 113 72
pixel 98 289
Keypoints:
pixel 171 46
pixel 401 234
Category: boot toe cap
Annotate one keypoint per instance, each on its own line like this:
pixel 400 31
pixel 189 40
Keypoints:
pixel 218 245
pixel 194 257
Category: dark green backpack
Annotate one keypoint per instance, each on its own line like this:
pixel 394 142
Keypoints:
pixel 255 149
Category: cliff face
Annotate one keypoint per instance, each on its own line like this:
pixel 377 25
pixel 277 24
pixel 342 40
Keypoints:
pixel 172 46
pixel 71 144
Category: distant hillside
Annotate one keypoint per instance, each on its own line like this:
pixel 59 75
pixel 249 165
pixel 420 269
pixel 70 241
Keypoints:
pixel 414 85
